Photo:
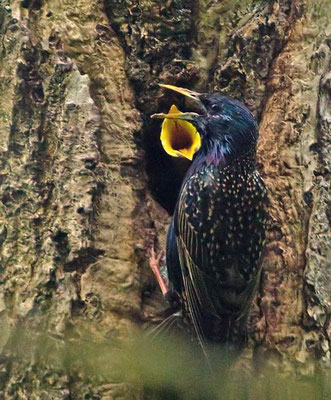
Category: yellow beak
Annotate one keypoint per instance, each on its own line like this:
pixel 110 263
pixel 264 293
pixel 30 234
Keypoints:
pixel 186 92
pixel 179 138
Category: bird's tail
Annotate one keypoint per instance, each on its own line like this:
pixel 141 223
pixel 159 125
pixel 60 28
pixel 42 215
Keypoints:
pixel 165 326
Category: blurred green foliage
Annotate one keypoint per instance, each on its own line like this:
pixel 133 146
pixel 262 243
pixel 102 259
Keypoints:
pixel 163 368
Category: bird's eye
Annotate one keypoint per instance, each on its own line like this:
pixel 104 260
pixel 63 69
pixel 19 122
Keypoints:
pixel 215 107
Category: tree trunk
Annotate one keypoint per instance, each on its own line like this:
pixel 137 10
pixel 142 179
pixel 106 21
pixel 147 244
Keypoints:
pixel 86 189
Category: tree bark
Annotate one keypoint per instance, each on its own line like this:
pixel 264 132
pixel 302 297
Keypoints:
pixel 86 189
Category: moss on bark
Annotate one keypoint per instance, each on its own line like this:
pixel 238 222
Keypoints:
pixel 83 177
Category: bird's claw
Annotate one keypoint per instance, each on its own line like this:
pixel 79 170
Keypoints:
pixel 154 263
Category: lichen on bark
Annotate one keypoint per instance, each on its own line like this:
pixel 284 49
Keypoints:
pixel 84 181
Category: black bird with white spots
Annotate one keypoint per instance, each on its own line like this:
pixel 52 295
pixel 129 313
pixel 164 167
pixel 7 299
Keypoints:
pixel 217 232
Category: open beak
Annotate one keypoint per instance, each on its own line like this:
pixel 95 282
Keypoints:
pixel 179 137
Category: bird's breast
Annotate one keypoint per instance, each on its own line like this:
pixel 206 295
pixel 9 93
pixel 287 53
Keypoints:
pixel 227 210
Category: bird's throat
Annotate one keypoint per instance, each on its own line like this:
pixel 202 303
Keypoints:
pixel 221 157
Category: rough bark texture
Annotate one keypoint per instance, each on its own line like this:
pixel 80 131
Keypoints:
pixel 85 184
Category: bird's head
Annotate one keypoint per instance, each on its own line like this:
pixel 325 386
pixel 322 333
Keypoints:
pixel 223 123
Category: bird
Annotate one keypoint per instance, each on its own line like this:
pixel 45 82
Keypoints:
pixel 217 232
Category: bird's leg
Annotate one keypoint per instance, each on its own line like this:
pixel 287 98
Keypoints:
pixel 154 263
pixel 169 294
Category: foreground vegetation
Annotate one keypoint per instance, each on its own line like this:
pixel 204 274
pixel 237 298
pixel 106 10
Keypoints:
pixel 167 368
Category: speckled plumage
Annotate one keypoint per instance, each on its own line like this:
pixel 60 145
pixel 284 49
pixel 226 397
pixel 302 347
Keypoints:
pixel 218 229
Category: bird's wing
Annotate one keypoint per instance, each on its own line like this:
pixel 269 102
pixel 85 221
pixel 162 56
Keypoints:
pixel 193 253
pixel 173 263
pixel 202 291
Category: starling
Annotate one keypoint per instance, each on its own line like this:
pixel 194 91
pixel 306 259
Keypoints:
pixel 217 231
